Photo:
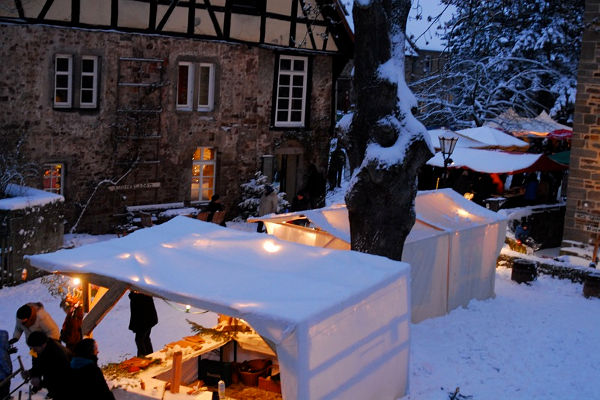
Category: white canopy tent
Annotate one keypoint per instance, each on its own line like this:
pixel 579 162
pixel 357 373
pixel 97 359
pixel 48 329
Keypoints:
pixel 540 126
pixel 452 248
pixel 500 162
pixel 494 138
pixel 340 330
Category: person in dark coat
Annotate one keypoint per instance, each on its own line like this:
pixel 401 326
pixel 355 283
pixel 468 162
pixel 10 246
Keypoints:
pixel 531 187
pixel 6 367
pixel 315 187
pixel 143 318
pixel 50 366
pixel 300 202
pixel 213 206
pixel 88 380
pixel 337 163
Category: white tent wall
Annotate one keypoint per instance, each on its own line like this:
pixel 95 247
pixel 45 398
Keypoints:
pixel 345 363
pixel 428 259
pixel 309 237
pixel 471 269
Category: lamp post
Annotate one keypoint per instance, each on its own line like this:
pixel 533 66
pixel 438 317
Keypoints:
pixel 447 145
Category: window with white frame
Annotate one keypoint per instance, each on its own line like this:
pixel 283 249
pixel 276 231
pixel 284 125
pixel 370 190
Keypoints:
pixel 204 167
pixel 290 99
pixel 53 178
pixel 195 86
pixel 69 80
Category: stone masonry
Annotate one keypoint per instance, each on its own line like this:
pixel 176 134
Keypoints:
pixel 584 176
pixel 239 128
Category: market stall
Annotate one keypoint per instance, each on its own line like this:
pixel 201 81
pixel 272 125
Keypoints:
pixel 452 248
pixel 339 331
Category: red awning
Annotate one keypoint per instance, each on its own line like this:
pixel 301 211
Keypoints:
pixel 560 134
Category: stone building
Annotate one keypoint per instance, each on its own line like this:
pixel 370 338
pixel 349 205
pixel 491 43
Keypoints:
pixel 582 218
pixel 144 102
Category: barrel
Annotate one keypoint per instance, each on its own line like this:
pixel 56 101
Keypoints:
pixel 523 271
pixel 591 285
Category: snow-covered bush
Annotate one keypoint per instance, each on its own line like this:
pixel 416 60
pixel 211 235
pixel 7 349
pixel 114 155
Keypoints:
pixel 251 193
pixel 13 167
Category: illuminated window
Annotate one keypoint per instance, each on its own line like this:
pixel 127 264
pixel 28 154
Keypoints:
pixel 290 102
pixel 204 163
pixel 195 81
pixel 53 178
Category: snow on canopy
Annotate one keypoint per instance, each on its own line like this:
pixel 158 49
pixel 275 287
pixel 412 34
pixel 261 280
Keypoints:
pixel 317 306
pixel 540 126
pixel 494 138
pixel 500 162
pixel 24 197
pixel 452 247
pixel 463 141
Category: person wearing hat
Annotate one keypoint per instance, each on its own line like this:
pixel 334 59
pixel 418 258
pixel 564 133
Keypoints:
pixel 50 366
pixel 269 202
pixel 32 317
pixel 88 381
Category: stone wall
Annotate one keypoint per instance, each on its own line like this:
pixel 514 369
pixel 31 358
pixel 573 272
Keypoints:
pixel 239 128
pixel 32 230
pixel 584 176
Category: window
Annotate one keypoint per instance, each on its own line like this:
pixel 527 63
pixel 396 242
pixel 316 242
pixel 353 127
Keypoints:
pixel 185 85
pixel 63 80
pixel 195 80
pixel 203 174
pixel 290 99
pixel 64 74
pixel 89 82
pixel 53 174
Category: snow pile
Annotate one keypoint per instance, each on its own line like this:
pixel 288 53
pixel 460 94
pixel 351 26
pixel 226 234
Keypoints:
pixel 24 197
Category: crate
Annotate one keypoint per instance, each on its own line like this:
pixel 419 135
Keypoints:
pixel 269 385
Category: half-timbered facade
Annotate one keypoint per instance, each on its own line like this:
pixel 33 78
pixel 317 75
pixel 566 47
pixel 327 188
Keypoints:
pixel 137 102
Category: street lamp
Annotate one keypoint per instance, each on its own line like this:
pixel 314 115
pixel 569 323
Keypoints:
pixel 447 145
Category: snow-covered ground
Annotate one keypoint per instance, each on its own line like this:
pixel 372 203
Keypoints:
pixel 530 342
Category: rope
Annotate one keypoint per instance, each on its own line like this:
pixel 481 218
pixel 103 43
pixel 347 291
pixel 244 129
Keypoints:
pixel 184 309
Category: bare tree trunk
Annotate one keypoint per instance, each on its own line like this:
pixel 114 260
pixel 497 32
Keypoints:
pixel 386 143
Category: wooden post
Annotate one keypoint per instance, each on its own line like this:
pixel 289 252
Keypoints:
pixel 596 243
pixel 176 378
pixel 115 291
pixel 85 294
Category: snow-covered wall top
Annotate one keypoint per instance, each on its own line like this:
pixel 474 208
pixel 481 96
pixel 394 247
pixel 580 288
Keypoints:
pixel 24 197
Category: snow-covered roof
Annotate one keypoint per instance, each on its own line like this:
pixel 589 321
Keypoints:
pixel 463 141
pixel 522 126
pixel 500 162
pixel 201 256
pixel 25 197
pixel 494 138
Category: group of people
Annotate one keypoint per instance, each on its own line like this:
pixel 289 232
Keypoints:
pixel 68 373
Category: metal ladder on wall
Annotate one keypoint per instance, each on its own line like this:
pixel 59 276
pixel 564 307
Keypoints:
pixel 137 131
